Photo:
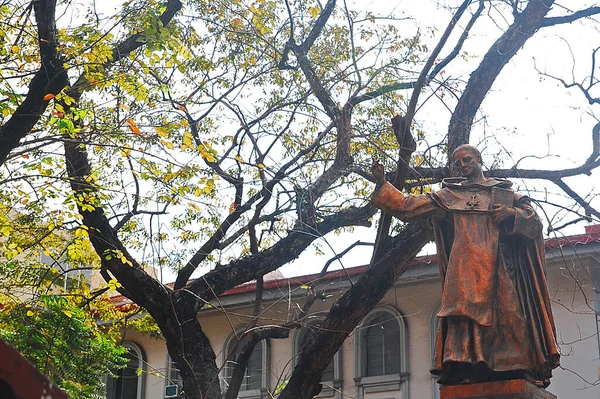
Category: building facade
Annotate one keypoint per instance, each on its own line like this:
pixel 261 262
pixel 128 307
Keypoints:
pixel 389 354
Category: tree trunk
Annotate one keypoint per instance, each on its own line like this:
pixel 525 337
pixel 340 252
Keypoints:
pixel 190 349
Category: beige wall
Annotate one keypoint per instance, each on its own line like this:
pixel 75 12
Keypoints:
pixel 416 299
pixel 155 352
pixel 574 301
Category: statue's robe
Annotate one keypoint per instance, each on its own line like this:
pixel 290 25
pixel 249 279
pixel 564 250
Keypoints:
pixel 495 305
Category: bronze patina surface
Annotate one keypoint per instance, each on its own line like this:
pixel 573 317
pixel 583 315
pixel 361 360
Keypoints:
pixel 495 320
pixel 513 389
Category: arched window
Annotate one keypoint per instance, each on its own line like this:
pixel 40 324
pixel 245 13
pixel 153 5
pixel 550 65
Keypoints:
pixel 255 381
pixel 128 382
pixel 332 377
pixel 381 352
pixel 382 345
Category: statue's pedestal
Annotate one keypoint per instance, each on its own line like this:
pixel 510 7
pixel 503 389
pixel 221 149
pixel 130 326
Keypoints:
pixel 512 389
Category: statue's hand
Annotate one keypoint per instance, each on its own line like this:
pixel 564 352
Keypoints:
pixel 500 213
pixel 378 172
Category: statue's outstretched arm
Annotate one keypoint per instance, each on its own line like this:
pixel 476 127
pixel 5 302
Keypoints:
pixel 404 207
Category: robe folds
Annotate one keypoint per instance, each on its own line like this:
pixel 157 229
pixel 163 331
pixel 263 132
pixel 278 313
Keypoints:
pixel 495 305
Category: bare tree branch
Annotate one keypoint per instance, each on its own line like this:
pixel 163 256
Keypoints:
pixel 567 19
pixel 286 249
pixel 113 254
pixel 584 204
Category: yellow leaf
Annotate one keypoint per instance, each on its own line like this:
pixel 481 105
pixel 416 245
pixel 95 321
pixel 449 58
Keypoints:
pixel 49 96
pixel 314 11
pixel 261 166
pixel 114 284
pixel 133 126
pixel 126 151
pixel 161 132
pixel 29 313
pixel 167 144
pixel 238 158
pixel 15 49
pixel 187 139
pixel 67 313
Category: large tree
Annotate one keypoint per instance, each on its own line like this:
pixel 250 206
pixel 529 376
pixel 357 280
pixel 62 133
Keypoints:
pixel 222 141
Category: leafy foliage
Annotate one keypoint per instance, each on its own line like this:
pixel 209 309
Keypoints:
pixel 63 341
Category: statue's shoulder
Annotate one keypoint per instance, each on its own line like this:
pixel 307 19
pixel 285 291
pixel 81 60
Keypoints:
pixel 459 196
pixel 460 183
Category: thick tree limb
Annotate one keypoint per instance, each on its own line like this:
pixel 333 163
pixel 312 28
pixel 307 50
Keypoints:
pixel 481 80
pixel 595 145
pixel 135 41
pixel 128 45
pixel 340 118
pixel 318 26
pixel 301 53
pixel 51 78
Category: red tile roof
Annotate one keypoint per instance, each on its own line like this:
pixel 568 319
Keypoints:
pixel 591 235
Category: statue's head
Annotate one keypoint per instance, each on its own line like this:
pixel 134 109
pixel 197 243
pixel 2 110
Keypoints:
pixel 467 147
pixel 467 160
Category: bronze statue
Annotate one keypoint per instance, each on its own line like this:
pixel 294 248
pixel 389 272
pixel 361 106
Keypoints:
pixel 496 320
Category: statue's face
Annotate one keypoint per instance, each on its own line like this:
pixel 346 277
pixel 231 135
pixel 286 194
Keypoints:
pixel 467 163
